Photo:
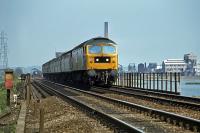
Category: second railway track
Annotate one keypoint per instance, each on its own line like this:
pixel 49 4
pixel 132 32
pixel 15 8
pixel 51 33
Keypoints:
pixel 184 108
pixel 146 92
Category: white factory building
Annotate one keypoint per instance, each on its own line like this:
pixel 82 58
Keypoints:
pixel 174 65
pixel 197 69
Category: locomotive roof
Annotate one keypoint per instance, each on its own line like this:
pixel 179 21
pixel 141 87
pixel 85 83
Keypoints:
pixel 91 40
pixel 86 43
pixel 94 39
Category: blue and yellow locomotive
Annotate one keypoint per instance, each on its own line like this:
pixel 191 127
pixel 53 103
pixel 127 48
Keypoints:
pixel 92 62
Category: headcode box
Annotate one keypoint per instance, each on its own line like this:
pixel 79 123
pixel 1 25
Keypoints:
pixel 9 78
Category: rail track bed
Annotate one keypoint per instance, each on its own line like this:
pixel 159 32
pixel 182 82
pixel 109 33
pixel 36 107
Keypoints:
pixel 140 117
pixel 37 93
pixel 181 108
pixel 61 117
pixel 146 92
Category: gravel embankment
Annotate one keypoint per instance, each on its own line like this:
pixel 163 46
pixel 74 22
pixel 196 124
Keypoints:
pixel 61 117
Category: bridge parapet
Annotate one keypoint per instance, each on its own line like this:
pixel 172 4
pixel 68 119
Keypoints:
pixel 161 82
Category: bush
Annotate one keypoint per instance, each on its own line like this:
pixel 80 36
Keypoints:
pixel 2 99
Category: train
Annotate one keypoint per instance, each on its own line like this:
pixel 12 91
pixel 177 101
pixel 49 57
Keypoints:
pixel 93 62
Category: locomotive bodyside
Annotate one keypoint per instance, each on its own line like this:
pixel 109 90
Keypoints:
pixel 92 62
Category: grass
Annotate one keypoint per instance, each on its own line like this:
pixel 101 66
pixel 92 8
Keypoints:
pixel 8 129
pixel 3 97
pixel 3 107
pixel 3 94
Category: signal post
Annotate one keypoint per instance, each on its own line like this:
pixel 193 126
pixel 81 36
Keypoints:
pixel 8 83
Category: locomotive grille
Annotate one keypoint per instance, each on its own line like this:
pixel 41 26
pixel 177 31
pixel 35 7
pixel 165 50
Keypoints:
pixel 102 60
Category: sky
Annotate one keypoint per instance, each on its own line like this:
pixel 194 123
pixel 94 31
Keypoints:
pixel 145 30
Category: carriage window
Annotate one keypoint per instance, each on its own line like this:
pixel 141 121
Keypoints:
pixel 109 49
pixel 94 49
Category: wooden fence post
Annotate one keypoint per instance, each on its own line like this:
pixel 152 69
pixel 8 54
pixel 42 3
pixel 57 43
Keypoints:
pixel 41 130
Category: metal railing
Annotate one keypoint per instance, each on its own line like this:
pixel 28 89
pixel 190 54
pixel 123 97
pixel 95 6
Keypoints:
pixel 165 82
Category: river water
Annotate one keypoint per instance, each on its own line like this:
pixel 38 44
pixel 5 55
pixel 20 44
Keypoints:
pixel 190 89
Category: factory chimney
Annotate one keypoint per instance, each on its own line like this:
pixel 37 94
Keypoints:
pixel 106 29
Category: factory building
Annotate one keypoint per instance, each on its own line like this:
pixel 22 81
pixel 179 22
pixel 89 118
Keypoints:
pixel 141 68
pixel 131 67
pixel 152 67
pixel 197 69
pixel 174 65
pixel 191 61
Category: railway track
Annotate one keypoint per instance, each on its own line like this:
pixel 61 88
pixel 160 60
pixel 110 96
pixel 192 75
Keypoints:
pixel 35 94
pixel 152 103
pixel 160 100
pixel 159 94
pixel 112 121
pixel 3 115
pixel 38 91
pixel 138 110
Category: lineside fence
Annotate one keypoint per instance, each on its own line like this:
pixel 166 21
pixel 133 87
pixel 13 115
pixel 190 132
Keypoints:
pixel 161 82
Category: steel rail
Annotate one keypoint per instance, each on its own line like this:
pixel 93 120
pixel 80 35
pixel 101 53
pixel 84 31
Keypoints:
pixel 42 92
pixel 34 93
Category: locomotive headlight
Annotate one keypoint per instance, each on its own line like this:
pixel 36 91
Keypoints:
pixel 107 59
pixel 97 59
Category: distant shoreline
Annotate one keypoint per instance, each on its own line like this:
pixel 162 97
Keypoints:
pixel 192 83
pixel 190 77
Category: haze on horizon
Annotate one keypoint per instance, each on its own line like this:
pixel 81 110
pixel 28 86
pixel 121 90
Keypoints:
pixel 145 31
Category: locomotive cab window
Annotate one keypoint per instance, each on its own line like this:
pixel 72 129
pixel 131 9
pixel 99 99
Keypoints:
pixel 94 49
pixel 109 49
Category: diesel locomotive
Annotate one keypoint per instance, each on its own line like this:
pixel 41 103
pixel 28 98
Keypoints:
pixel 94 61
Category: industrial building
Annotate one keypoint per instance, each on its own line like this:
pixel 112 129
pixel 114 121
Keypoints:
pixel 131 67
pixel 197 69
pixel 191 61
pixel 152 67
pixel 174 65
pixel 141 68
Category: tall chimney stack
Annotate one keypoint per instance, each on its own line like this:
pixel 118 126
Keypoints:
pixel 106 29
